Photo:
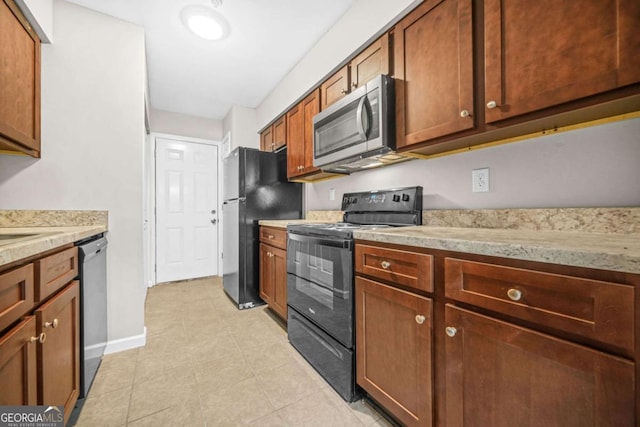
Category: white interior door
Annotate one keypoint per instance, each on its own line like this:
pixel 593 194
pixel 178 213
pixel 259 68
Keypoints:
pixel 187 219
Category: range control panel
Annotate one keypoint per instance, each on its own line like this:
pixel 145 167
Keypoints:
pixel 408 199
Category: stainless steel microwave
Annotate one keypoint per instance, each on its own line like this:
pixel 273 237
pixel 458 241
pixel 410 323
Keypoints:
pixel 352 132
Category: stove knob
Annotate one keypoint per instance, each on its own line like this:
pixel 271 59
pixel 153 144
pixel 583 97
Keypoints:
pixel 396 198
pixel 405 197
pixel 354 200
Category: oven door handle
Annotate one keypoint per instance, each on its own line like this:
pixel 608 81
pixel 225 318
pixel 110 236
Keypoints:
pixel 335 243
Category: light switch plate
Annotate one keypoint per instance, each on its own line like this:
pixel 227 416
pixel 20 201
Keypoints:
pixel 332 194
pixel 480 180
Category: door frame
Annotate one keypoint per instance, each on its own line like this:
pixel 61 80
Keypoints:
pixel 149 201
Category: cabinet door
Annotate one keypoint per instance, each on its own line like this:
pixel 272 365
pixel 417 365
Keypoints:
pixel 266 139
pixel 20 82
pixel 370 62
pixel 335 88
pixel 266 274
pixel 280 132
pixel 59 355
pixel 499 374
pixel 18 365
pixel 544 53
pixel 434 71
pixel 394 350
pixel 279 263
pixel 311 107
pixel 295 141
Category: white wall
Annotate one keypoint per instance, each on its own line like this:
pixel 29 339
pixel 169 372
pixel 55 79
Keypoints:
pixel 184 125
pixel 590 167
pixel 240 122
pixel 361 22
pixel 39 13
pixel 92 146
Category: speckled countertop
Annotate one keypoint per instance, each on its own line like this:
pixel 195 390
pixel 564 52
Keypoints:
pixel 41 239
pixel 282 223
pixel 607 251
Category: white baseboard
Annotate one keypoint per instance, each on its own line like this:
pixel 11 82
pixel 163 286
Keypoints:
pixel 122 344
pixel 94 351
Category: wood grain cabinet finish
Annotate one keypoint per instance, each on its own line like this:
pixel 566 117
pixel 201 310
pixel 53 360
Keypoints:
pixel 394 350
pixel 273 269
pixel 16 294
pixel 335 87
pixel 544 53
pixel 406 268
pixel 369 63
pixel 59 354
pixel 274 236
pixel 55 271
pixel 433 67
pixel 19 82
pixel 18 370
pixel 499 374
pixel 598 310
pixel 275 136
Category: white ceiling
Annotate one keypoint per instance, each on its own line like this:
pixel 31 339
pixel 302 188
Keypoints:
pixel 203 78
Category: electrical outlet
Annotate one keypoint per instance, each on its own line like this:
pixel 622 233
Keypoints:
pixel 332 194
pixel 480 180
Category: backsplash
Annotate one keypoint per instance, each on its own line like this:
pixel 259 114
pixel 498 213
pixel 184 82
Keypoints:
pixel 598 220
pixel 40 218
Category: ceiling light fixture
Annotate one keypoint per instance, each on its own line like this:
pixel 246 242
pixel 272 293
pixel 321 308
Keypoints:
pixel 204 22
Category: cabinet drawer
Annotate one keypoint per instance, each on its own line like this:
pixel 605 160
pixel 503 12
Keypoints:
pixel 274 236
pixel 16 294
pixel 598 310
pixel 406 268
pixel 55 271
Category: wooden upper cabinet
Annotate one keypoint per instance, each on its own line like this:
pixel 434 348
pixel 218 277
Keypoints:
pixel 500 374
pixel 433 66
pixel 372 61
pixel 266 139
pixel 275 136
pixel 19 82
pixel 369 63
pixel 280 133
pixel 545 53
pixel 335 87
pixel 300 136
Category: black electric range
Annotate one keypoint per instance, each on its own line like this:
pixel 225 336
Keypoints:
pixel 320 280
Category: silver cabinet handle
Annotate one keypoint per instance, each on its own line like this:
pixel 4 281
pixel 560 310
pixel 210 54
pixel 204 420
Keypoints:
pixel 354 85
pixel 465 113
pixel 491 104
pixel 40 338
pixel 53 324
pixel 514 294
pixel 343 91
pixel 385 264
pixel 420 319
pixel 451 331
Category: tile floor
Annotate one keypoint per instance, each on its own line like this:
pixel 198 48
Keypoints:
pixel 208 364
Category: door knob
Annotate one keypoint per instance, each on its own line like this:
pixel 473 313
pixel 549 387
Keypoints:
pixel 214 221
pixel 213 212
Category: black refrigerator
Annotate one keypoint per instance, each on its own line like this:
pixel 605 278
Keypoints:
pixel 255 188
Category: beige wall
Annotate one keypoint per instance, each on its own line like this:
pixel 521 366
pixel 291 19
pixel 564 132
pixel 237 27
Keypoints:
pixel 184 125
pixel 240 122
pixel 93 83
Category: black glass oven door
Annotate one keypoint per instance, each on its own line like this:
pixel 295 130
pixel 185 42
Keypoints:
pixel 320 283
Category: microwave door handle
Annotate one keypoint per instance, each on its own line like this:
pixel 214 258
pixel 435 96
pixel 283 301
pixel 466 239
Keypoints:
pixel 359 123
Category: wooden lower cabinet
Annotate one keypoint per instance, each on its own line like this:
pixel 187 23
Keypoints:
pixel 499 374
pixel 273 278
pixel 59 354
pixel 18 365
pixel 394 350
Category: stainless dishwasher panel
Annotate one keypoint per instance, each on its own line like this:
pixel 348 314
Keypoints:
pixel 93 301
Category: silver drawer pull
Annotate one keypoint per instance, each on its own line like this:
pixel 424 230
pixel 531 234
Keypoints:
pixel 420 319
pixel 53 324
pixel 514 294
pixel 40 338
pixel 385 264
pixel 451 331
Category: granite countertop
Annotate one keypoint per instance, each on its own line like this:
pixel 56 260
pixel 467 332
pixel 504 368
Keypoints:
pixel 282 223
pixel 41 239
pixel 606 251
